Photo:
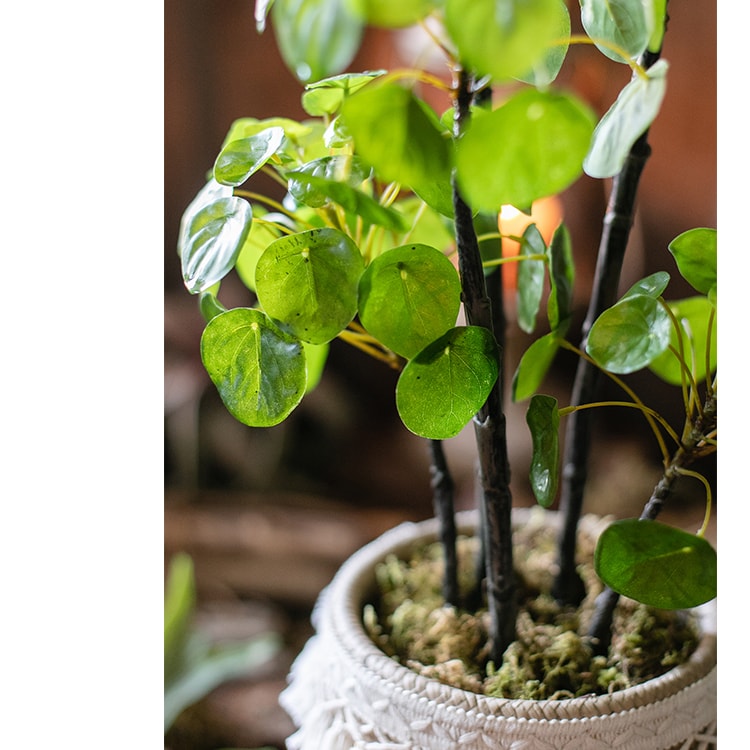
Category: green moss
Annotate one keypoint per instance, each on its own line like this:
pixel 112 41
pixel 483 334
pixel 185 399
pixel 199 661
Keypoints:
pixel 551 658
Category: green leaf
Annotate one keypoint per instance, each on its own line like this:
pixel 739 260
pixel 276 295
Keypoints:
pixel 530 278
pixel 656 564
pixel 317 38
pixel 543 419
pixel 394 133
pixel 652 286
pixel 694 315
pixel 212 241
pixel 626 24
pixel 448 382
pixel 694 252
pixel 562 277
pixel 179 604
pixel 350 170
pixel 428 227
pixel 502 38
pixel 530 147
pixel 326 97
pixel 259 371
pixel 316 356
pixel 353 201
pixel 659 24
pixel 534 365
pixel 546 69
pixel 629 335
pixel 395 14
pixel 308 282
pixel 222 663
pixel 408 297
pixel 626 120
pixel 238 160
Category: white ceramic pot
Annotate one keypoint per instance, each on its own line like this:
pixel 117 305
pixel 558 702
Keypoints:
pixel 345 693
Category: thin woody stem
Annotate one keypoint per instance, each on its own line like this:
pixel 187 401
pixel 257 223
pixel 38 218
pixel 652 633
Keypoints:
pixel 489 423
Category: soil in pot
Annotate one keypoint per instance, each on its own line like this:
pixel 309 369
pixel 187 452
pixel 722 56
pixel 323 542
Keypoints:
pixel 552 658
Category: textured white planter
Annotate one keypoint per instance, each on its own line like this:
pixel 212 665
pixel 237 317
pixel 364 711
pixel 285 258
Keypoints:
pixel 345 693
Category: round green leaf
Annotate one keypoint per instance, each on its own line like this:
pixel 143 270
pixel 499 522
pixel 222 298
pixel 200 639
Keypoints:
pixel 316 39
pixel 545 70
pixel 629 335
pixel 346 169
pixel 652 286
pixel 543 419
pixel 656 564
pixel 626 24
pixel 395 133
pixel 409 296
pixel 259 371
pixel 326 97
pixel 502 38
pixel 694 252
pixel 262 234
pixel 534 365
pixel 448 382
pixel 395 14
pixel 212 241
pixel 308 283
pixel 240 159
pixel 694 315
pixel 530 147
pixel 626 120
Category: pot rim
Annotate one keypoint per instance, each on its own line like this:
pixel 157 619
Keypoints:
pixel 347 593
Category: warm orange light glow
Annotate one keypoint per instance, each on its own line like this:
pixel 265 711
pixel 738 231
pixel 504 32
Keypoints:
pixel 546 213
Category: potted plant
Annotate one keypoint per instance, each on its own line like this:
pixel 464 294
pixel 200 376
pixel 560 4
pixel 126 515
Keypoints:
pixel 388 240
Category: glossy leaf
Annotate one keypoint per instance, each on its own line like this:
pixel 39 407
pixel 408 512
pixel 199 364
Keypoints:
pixel 562 277
pixel 655 564
pixel 626 24
pixel 353 201
pixel 317 38
pixel 208 194
pixel 530 147
pixel 546 69
pixel 262 8
pixel 212 242
pixel 394 133
pixel 630 335
pixel 259 371
pixel 694 252
pixel 543 419
pixel 448 382
pixel 652 286
pixel 502 38
pixel 308 283
pixel 626 120
pixel 238 160
pixel 408 297
pixel 347 169
pixel 326 97
pixel 694 315
pixel 530 278
pixel 395 14
pixel 534 365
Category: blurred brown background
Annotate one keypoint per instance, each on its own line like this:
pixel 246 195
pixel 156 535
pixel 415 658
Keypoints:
pixel 268 515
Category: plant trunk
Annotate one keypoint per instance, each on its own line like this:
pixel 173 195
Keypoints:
pixel 489 423
pixel 568 587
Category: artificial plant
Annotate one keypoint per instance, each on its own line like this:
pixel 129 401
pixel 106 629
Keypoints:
pixel 389 229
